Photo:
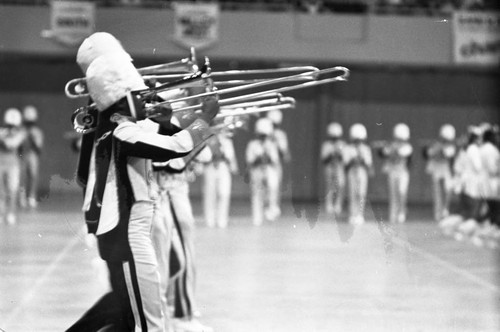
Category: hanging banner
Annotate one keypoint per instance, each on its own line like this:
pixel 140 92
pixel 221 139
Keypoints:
pixel 476 37
pixel 71 22
pixel 196 24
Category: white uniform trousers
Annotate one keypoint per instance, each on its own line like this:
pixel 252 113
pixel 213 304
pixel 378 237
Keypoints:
pixel 162 234
pixel 335 188
pixel 263 181
pixel 398 183
pixel 442 187
pixel 357 176
pixel 141 273
pixel 217 194
pixel 184 282
pixel 9 184
pixel 30 174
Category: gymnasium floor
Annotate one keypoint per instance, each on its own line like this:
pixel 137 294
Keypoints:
pixel 291 275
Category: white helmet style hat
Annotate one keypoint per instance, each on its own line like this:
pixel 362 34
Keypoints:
pixel 447 132
pixel 264 126
pixel 95 45
pixel 401 131
pixel 109 78
pixel 358 131
pixel 30 113
pixel 276 116
pixel 13 117
pixel 334 129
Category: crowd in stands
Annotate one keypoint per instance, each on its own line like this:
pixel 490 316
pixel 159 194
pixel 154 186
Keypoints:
pixel 390 7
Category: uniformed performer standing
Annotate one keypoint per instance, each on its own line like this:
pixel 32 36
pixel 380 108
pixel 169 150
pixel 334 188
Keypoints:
pixel 217 179
pixel 262 159
pixel 11 137
pixel 30 157
pixel 333 160
pixel 440 157
pixel 359 167
pixel 397 155
pixel 281 139
pixel 119 187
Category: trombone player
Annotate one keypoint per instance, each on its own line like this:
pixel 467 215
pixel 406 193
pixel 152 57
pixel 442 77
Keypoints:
pixel 11 138
pixel 440 156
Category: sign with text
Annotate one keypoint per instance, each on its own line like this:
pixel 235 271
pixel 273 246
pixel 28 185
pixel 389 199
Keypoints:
pixel 196 24
pixel 71 22
pixel 476 37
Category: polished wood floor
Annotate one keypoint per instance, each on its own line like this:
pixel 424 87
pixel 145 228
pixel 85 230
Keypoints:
pixel 292 275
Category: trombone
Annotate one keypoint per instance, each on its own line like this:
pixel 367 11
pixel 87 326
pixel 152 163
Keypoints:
pixel 77 88
pixel 344 74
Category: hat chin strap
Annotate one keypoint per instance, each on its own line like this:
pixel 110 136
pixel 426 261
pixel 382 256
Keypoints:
pixel 131 105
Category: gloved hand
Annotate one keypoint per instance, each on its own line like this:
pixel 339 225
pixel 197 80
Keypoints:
pixel 210 108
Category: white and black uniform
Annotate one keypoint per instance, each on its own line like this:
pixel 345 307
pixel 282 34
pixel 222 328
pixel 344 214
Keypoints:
pixel 120 189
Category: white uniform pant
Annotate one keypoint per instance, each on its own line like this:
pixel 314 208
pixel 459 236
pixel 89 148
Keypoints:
pixel 162 234
pixel 358 188
pixel 142 274
pixel 9 184
pixel 183 284
pixel 217 194
pixel 30 175
pixel 442 188
pixel 263 181
pixel 398 193
pixel 174 243
pixel 335 189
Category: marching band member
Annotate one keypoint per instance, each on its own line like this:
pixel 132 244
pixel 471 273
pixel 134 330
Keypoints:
pixel 217 174
pixel 397 155
pixel 333 159
pixel 262 158
pixel 30 157
pixel 11 138
pixel 281 138
pixel 440 156
pixel 119 187
pixel 461 173
pixel 490 189
pixel 472 166
pixel 359 167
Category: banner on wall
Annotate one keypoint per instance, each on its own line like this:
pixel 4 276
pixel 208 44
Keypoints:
pixel 196 24
pixel 476 37
pixel 70 22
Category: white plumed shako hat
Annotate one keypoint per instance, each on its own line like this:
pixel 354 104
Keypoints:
pixel 13 117
pixel 110 77
pixel 30 113
pixel 95 45
pixel 276 116
pixel 358 131
pixel 447 132
pixel 401 131
pixel 263 126
pixel 334 130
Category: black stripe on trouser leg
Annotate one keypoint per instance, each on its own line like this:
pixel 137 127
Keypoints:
pixel 137 295
pixel 182 301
